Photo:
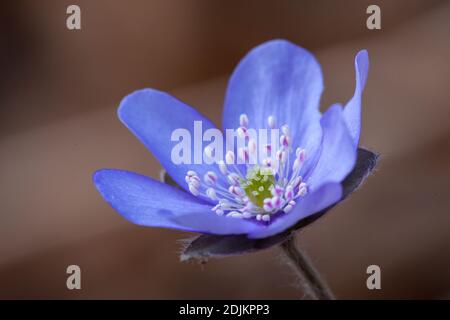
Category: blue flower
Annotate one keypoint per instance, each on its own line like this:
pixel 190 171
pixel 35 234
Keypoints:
pixel 246 207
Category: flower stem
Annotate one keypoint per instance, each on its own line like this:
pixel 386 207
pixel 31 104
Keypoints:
pixel 314 286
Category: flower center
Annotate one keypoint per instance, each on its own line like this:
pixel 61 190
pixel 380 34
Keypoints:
pixel 258 185
pixel 266 188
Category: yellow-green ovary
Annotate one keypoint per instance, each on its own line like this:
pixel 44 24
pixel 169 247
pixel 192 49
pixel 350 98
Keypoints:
pixel 258 185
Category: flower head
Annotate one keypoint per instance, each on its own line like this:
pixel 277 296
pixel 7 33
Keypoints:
pixel 314 163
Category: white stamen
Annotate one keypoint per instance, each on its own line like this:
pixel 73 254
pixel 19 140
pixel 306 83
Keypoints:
pixel 242 132
pixel 191 173
pixel 277 191
pixel 243 120
pixel 195 182
pixel 296 182
pixel 267 205
pixel 289 206
pixel 236 191
pixel 233 179
pixel 281 156
pixel 234 214
pixel 225 204
pixel 249 206
pixel 193 190
pixel 276 202
pixel 300 154
pixel 247 215
pixel 285 129
pixel 302 190
pixel 210 178
pixel 271 122
pixel 243 154
pixel 223 167
pixel 296 165
pixel 265 217
pixel 211 193
pixel 208 151
pixel 267 162
pixel 229 157
pixel 289 194
pixel 284 140
pixel 252 146
pixel 241 199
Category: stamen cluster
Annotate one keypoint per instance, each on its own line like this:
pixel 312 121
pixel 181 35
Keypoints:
pixel 269 187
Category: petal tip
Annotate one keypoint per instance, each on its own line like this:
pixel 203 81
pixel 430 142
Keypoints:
pixel 283 44
pixel 335 110
pixel 137 99
pixel 362 66
pixel 97 176
pixel 127 101
pixel 362 54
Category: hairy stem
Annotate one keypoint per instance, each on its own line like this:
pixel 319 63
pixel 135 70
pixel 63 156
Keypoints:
pixel 314 286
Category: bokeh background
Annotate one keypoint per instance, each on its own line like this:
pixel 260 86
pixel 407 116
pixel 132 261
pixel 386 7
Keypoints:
pixel 59 91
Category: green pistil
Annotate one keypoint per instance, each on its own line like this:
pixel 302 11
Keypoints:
pixel 258 184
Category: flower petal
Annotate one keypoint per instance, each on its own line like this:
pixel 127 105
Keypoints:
pixel 282 80
pixel 352 111
pixel 337 154
pixel 147 202
pixel 312 203
pixel 153 116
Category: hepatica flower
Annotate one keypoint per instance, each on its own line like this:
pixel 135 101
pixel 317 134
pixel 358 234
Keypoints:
pixel 245 205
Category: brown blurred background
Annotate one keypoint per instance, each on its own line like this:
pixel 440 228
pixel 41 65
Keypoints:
pixel 59 91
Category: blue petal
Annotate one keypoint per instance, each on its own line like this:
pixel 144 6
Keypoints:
pixel 278 79
pixel 147 202
pixel 313 202
pixel 352 111
pixel 153 116
pixel 337 154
